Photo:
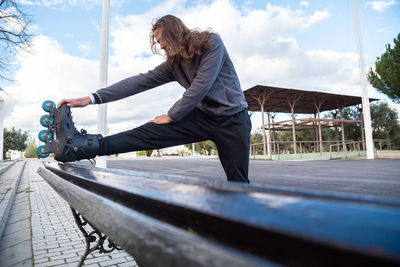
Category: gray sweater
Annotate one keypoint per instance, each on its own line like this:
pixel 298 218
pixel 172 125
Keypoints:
pixel 210 81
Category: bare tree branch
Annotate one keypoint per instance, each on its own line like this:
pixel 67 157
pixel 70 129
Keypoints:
pixel 15 35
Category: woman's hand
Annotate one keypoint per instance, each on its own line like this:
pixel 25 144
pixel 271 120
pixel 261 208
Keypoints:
pixel 162 119
pixel 76 102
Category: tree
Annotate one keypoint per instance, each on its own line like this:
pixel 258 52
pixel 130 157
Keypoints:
pixel 14 140
pixel 386 76
pixel 15 34
pixel 385 123
pixel 257 138
pixel 30 151
pixel 205 147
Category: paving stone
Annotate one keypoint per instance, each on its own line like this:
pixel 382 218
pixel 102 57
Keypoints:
pixel 51 263
pixel 73 259
pixel 42 260
pixel 24 263
pixel 92 265
pixel 97 259
pixel 127 264
pixel 12 255
pixel 16 226
pixel 15 238
pixel 15 245
pixel 54 225
pixel 112 262
pixel 18 217
pixel 39 252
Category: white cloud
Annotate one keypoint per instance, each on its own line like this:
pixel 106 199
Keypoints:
pixel 60 4
pixel 95 25
pixel 28 2
pixel 381 6
pixel 87 47
pixel 304 3
pixel 261 43
pixel 48 73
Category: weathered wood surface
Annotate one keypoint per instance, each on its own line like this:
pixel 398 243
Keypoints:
pixel 165 220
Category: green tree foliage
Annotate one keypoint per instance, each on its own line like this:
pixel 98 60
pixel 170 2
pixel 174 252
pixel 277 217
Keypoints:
pixel 149 152
pixel 30 151
pixel 257 138
pixel 384 120
pixel 205 148
pixel 386 76
pixel 385 123
pixel 14 140
pixel 352 131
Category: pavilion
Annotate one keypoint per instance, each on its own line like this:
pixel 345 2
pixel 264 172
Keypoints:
pixel 282 100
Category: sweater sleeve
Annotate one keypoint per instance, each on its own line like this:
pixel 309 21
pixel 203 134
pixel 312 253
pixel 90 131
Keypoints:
pixel 210 66
pixel 160 75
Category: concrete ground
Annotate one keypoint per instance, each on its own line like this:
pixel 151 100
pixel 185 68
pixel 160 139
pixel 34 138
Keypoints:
pixel 40 229
pixel 379 177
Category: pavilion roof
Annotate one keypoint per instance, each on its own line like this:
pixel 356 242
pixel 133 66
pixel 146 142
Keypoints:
pixel 278 99
pixel 309 123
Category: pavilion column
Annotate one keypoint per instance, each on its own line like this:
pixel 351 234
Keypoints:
pixel 342 127
pixel 261 99
pixel 263 127
pixel 292 104
pixel 269 136
pixel 294 130
pixel 273 134
pixel 336 131
pixel 318 104
pixel 315 137
pixel 319 131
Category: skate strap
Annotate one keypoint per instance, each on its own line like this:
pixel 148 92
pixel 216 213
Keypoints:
pixel 89 140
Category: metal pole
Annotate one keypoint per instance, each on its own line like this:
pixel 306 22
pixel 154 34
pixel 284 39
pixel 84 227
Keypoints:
pixel 342 127
pixel 269 137
pixel 294 130
pixel 319 131
pixel 102 109
pixel 263 129
pixel 364 91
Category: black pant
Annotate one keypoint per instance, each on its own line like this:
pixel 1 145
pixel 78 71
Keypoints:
pixel 231 134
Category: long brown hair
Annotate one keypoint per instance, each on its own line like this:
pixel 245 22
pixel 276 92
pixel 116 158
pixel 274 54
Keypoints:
pixel 183 42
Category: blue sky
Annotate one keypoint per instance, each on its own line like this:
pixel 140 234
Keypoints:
pixel 80 22
pixel 306 45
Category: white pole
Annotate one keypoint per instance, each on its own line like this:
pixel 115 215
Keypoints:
pixel 1 129
pixel 364 91
pixel 192 149
pixel 102 109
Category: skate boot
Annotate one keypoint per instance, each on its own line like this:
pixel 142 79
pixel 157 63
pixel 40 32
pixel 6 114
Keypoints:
pixel 68 144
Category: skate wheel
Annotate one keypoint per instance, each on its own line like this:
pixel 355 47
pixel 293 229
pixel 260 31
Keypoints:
pixel 46 120
pixel 40 152
pixel 45 136
pixel 47 105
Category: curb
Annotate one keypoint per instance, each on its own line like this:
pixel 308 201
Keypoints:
pixel 3 170
pixel 5 205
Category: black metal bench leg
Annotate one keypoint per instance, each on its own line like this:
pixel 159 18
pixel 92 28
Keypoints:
pixel 94 236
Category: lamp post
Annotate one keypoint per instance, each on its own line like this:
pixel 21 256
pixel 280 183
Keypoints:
pixel 364 91
pixel 102 109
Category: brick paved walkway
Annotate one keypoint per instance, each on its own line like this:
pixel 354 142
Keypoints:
pixel 55 238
